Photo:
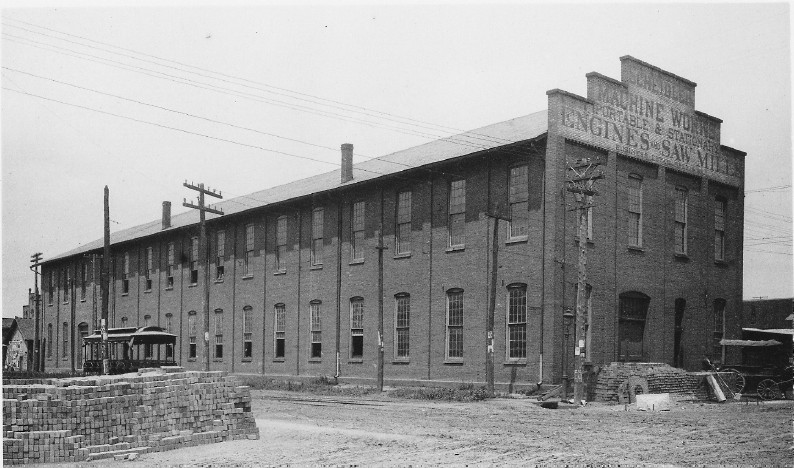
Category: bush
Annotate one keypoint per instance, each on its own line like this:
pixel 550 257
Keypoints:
pixel 322 385
pixel 466 392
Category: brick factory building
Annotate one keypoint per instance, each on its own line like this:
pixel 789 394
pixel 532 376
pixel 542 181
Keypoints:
pixel 294 268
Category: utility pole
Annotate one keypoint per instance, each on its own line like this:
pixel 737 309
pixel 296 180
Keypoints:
pixel 380 248
pixel 105 280
pixel 205 248
pixel 583 173
pixel 489 337
pixel 35 259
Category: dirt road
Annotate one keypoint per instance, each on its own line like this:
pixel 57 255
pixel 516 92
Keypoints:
pixel 308 429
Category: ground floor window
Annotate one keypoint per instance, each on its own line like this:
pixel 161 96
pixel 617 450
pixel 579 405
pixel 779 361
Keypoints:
pixel 357 328
pixel 401 325
pixel 191 335
pixel 316 330
pixel 517 321
pixel 455 324
pixel 248 343
pixel 279 334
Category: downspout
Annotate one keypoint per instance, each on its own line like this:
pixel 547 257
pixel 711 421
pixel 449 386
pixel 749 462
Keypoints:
pixel 430 287
pixel 298 314
pixel 338 282
pixel 542 275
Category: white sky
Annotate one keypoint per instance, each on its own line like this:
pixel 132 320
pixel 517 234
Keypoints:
pixel 458 66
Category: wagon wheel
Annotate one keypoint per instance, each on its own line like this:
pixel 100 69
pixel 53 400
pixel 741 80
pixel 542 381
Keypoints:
pixel 768 389
pixel 733 379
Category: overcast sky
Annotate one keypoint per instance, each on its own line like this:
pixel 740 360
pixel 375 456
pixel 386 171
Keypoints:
pixel 221 91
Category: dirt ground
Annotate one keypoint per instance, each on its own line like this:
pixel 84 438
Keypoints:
pixel 305 429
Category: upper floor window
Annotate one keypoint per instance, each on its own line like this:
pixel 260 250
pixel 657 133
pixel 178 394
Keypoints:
pixel 194 255
pixel 457 213
pixel 83 280
pixel 147 320
pixel 518 197
pixel 149 268
pixel 66 284
pixel 281 243
pixel 315 330
pixel 248 332
pixel 317 237
pixel 65 341
pixel 169 269
pixel 125 275
pixel 49 343
pixel 402 322
pixel 124 322
pixel 454 336
pixel 357 327
pixel 169 327
pixel 517 321
pixel 220 242
pixel 248 265
pixel 719 229
pixel 635 210
pixel 403 235
pixel 50 287
pixel 681 202
pixel 357 239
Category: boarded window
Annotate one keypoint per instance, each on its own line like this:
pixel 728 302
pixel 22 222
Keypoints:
pixel 403 237
pixel 357 244
pixel 317 237
pixel 281 244
pixel 457 213
pixel 518 196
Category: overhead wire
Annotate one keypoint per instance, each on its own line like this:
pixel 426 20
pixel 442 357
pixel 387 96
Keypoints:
pixel 352 107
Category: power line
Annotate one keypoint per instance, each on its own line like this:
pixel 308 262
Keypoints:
pixel 368 112
pixel 769 189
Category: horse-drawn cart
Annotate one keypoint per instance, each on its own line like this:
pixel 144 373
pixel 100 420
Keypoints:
pixel 766 363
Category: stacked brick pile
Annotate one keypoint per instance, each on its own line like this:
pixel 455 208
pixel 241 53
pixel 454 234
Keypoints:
pixel 88 418
pixel 661 378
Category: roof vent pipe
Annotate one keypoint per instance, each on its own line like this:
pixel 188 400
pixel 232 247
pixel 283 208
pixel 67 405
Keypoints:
pixel 347 162
pixel 166 214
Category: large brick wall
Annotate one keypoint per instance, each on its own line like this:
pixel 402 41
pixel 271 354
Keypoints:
pixel 67 420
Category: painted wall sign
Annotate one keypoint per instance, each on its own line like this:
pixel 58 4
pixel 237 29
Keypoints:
pixel 649 115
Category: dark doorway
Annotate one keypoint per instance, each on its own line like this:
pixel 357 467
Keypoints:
pixel 633 309
pixel 678 353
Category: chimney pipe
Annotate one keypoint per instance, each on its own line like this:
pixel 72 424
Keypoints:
pixel 166 214
pixel 347 162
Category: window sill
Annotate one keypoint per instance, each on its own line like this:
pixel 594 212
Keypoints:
pixel 191 359
pixel 589 241
pixel 721 263
pixel 402 255
pixel 355 361
pixel 516 362
pixel 169 288
pixel 192 285
pixel 636 248
pixel 456 248
pixel 681 256
pixel 450 362
pixel 316 360
pixel 82 300
pixel 517 240
pixel 279 272
pixel 67 302
pixel 316 267
pixel 217 359
pixel 398 361
pixel 147 291
pixel 122 295
pixel 218 281
pixel 358 261
pixel 279 359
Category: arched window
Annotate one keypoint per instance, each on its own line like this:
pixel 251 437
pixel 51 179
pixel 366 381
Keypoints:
pixel 191 335
pixel 678 354
pixel 517 321
pixel 632 311
pixel 719 328
pixel 315 329
pixel 248 332
pixel 279 330
pixel 454 325
pixel 357 327
pixel 402 320
pixel 218 334
pixel 49 340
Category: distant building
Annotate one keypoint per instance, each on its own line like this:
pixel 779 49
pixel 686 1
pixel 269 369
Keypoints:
pixel 18 335
pixel 294 269
pixel 768 313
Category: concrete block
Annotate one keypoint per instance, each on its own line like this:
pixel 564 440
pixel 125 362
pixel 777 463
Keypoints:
pixel 654 402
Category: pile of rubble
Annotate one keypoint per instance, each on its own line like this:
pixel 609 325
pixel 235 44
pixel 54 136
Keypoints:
pixel 657 377
pixel 88 418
